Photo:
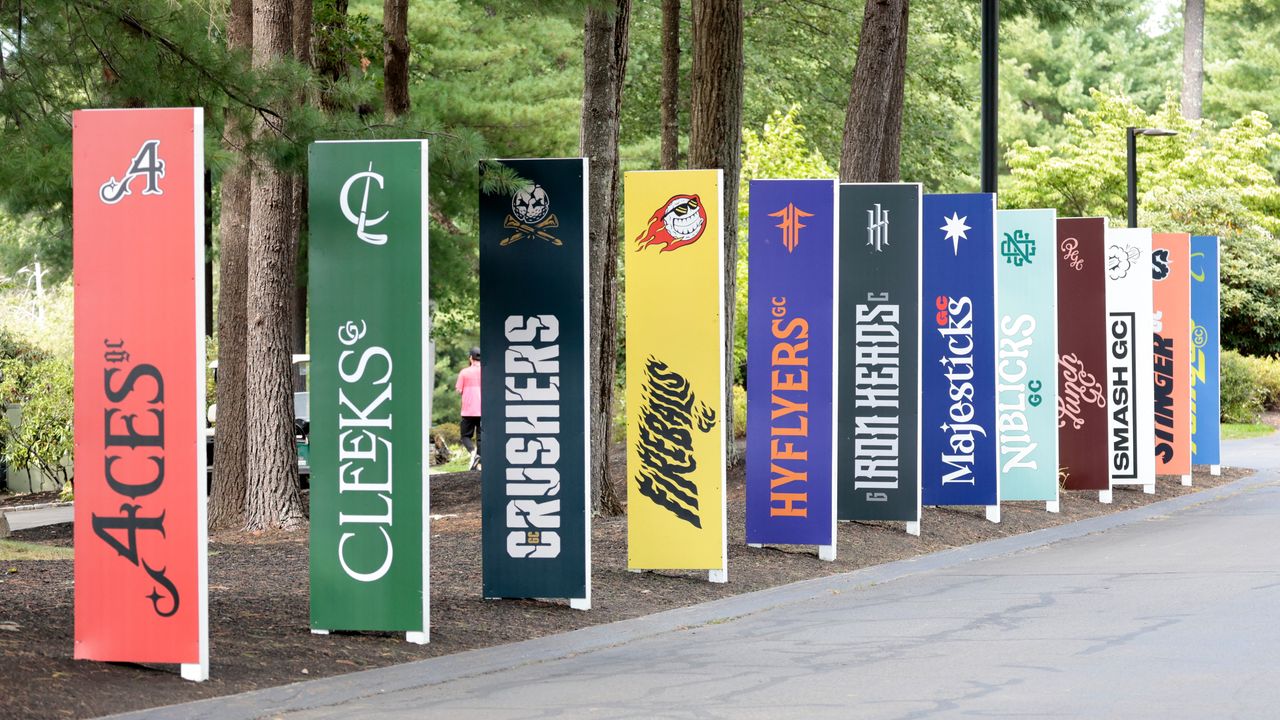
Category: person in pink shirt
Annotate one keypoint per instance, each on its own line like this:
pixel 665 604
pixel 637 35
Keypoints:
pixel 469 387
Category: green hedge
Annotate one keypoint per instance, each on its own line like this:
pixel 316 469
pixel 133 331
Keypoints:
pixel 1250 385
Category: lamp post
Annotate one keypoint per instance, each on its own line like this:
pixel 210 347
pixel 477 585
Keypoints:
pixel 990 92
pixel 1132 153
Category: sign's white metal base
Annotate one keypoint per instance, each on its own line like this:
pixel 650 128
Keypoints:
pixel 827 552
pixel 718 576
pixel 1186 480
pixel 635 570
pixel 993 513
pixel 755 545
pixel 1215 470
pixel 418 637
pixel 580 603
pixel 913 528
pixel 1053 506
pixel 1149 489
pixel 1104 497
pixel 195 672
pixel 314 631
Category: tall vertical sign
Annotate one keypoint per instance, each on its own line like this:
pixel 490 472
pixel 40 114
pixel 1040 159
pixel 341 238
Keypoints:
pixel 141 574
pixel 878 363
pixel 790 363
pixel 674 243
pixel 1131 412
pixel 1082 354
pixel 1171 280
pixel 1206 390
pixel 958 364
pixel 536 505
pixel 1027 355
pixel 370 387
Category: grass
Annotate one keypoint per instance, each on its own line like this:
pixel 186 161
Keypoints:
pixel 1244 431
pixel 14 550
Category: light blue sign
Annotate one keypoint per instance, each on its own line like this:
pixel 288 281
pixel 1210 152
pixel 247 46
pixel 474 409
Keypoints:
pixel 1026 354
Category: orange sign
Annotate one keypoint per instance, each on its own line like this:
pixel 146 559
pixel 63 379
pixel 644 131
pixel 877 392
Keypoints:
pixel 1171 343
pixel 140 572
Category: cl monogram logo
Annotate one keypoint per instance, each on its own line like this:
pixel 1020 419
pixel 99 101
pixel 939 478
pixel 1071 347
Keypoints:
pixel 362 220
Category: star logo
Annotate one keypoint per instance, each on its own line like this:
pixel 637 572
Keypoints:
pixel 955 230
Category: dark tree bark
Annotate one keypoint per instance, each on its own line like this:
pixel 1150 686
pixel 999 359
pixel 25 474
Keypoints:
pixel 272 500
pixel 303 40
pixel 715 141
pixel 230 464
pixel 604 55
pixel 670 100
pixel 395 46
pixel 873 122
pixel 1192 58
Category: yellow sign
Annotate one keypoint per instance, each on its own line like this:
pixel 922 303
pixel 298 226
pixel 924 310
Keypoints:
pixel 675 370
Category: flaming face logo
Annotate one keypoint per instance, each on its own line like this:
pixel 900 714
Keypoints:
pixel 679 222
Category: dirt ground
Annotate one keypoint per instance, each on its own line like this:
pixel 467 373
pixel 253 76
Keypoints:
pixel 258 592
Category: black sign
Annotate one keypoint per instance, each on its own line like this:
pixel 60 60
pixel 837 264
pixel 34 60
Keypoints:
pixel 878 418
pixel 533 281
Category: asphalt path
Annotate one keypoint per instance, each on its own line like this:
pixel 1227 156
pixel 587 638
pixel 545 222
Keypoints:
pixel 1168 611
pixel 25 519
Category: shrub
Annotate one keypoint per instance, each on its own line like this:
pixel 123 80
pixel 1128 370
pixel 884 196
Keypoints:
pixel 451 432
pixel 1266 378
pixel 739 411
pixel 43 437
pixel 1241 398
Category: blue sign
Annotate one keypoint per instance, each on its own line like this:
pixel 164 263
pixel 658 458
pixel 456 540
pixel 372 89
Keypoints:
pixel 957 358
pixel 790 359
pixel 1206 390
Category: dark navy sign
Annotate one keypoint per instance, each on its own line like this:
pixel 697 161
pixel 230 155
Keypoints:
pixel 878 413
pixel 1206 392
pixel 789 362
pixel 957 351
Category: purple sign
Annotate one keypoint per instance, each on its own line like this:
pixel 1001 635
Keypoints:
pixel 790 361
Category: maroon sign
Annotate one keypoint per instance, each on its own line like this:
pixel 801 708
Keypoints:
pixel 1082 353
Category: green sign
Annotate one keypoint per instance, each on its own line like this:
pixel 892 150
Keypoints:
pixel 370 387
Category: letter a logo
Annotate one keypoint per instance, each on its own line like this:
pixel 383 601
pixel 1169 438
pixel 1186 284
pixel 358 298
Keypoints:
pixel 146 162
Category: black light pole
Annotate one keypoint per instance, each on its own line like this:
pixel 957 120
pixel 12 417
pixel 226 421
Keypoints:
pixel 990 91
pixel 1131 152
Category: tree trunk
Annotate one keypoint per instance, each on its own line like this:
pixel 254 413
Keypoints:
pixel 604 56
pixel 395 46
pixel 230 465
pixel 715 141
pixel 273 500
pixel 873 122
pixel 1192 58
pixel 303 38
pixel 670 100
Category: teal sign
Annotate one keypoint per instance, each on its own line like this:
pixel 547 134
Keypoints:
pixel 370 386
pixel 1026 355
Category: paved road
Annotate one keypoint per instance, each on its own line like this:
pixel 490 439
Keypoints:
pixel 24 519
pixel 1169 612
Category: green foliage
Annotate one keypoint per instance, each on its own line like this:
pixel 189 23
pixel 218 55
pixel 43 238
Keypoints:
pixel 779 150
pixel 1244 431
pixel 1205 180
pixel 451 432
pixel 1240 398
pixel 1250 385
pixel 43 438
pixel 740 410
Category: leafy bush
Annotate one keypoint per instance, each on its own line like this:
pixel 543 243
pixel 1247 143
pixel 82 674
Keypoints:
pixel 1249 386
pixel 43 438
pixel 450 430
pixel 740 410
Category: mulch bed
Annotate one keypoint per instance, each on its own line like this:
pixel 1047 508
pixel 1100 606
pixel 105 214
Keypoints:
pixel 19 499
pixel 258 591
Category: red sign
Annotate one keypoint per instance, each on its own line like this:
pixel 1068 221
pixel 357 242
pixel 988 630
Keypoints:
pixel 140 540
